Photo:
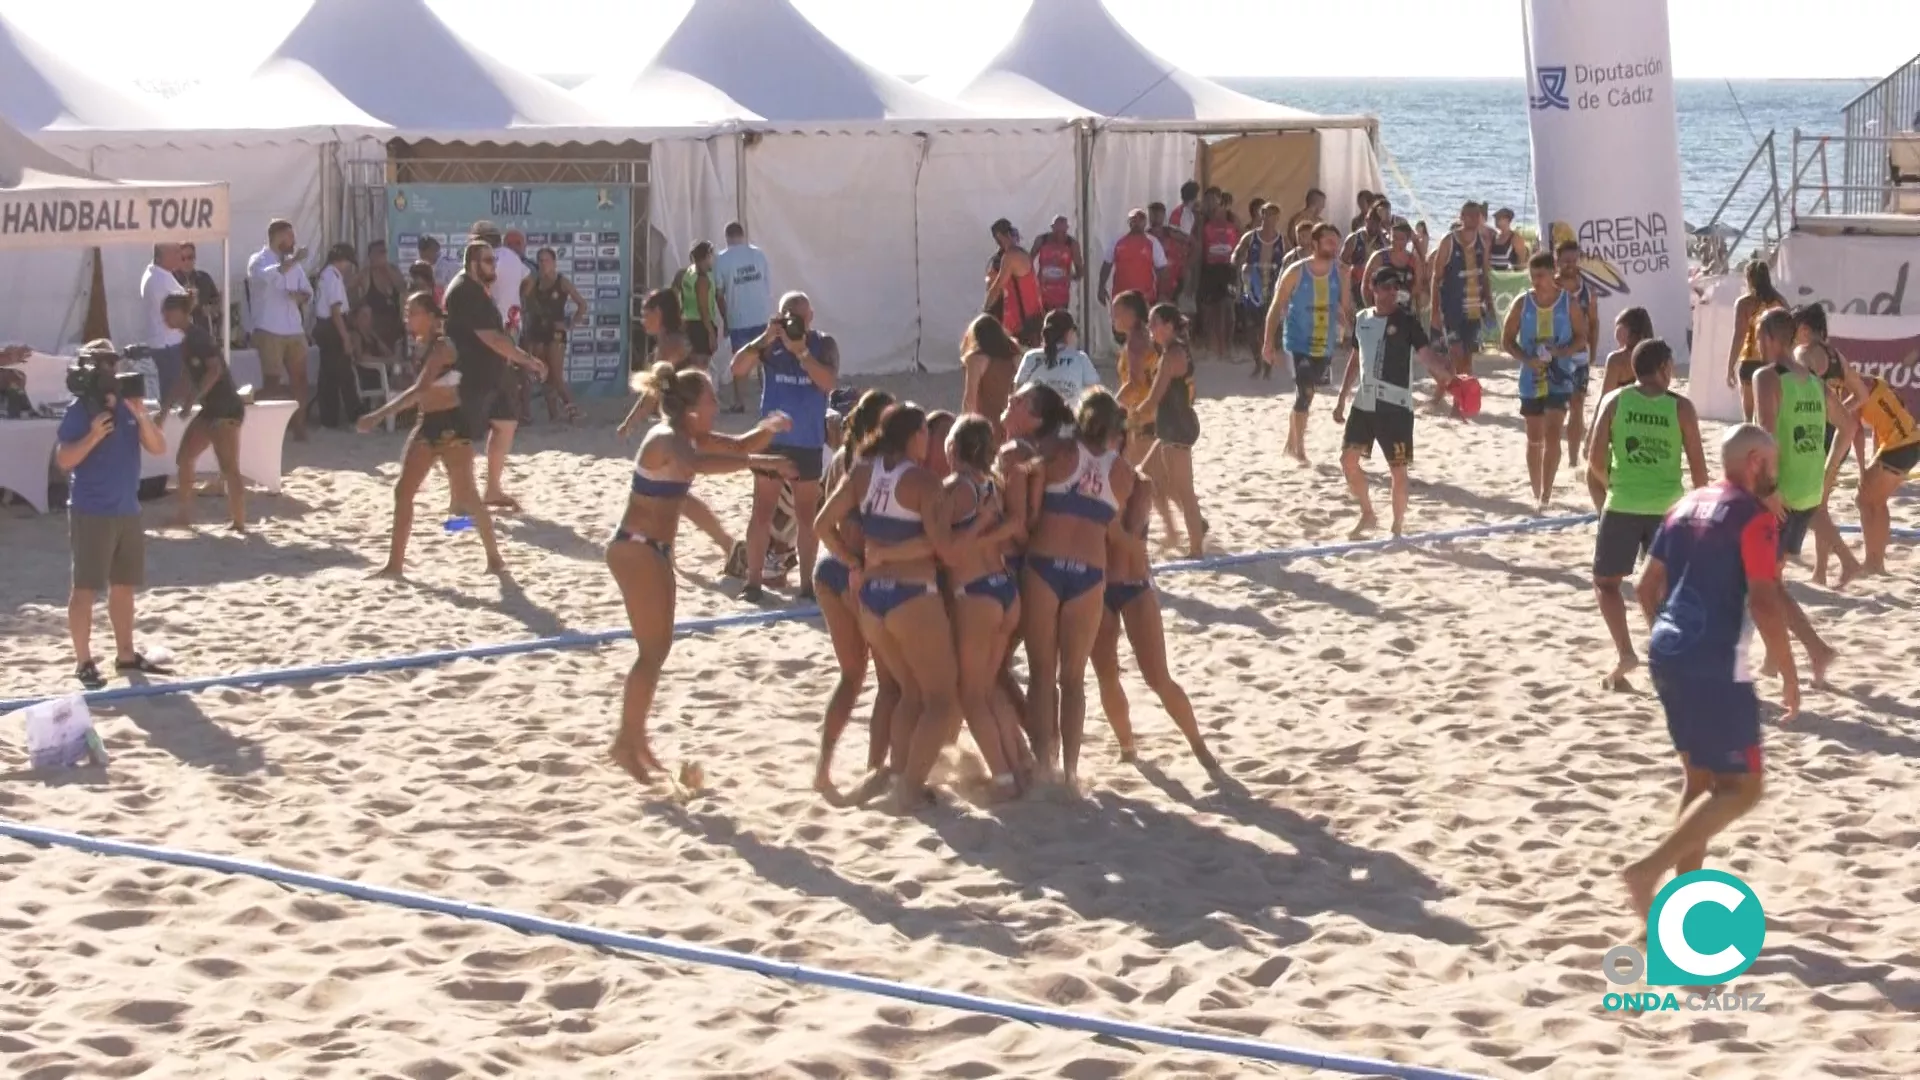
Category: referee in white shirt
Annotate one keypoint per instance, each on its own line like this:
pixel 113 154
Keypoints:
pixel 277 293
pixel 156 285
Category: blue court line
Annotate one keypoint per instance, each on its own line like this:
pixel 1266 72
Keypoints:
pixel 588 639
pixel 697 954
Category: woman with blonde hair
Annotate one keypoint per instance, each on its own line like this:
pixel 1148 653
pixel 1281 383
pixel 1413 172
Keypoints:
pixel 660 318
pixel 640 556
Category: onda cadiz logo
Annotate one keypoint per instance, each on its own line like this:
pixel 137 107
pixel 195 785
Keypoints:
pixel 1553 89
pixel 1704 929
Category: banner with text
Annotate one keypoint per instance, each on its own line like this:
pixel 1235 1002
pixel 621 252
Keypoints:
pixel 589 228
pixel 84 217
pixel 1896 360
pixel 1851 275
pixel 1606 152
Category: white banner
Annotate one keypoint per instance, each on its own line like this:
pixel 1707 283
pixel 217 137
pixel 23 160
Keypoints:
pixel 1851 275
pixel 85 216
pixel 1606 153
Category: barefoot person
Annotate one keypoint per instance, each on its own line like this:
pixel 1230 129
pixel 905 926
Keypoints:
pixel 1566 261
pixel 1544 331
pixel 1896 450
pixel 1818 356
pixel 1129 601
pixel 444 432
pixel 1176 426
pixel 544 300
pixel 1137 365
pixel 1743 352
pixel 986 599
pixel 1790 403
pixel 1311 312
pixel 1641 431
pixel 1462 286
pixel 1035 420
pixel 660 318
pixel 1086 481
pixel 988 360
pixel 840 610
pixel 1712 579
pixel 902 612
pixel 1630 328
pixel 209 385
pixel 640 556
pixel 1388 338
pixel 1259 258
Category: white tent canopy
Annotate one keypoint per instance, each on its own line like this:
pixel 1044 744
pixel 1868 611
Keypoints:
pixel 41 91
pixel 756 60
pixel 384 64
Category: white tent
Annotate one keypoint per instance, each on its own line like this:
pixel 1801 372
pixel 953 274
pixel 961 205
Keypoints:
pixel 41 91
pixel 757 60
pixel 46 202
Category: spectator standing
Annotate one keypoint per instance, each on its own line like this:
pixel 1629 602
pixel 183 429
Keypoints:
pixel 801 365
pixel 337 395
pixel 382 288
pixel 1057 260
pixel 156 284
pixel 1135 262
pixel 484 357
pixel 277 296
pixel 99 447
pixel 503 415
pixel 701 309
pixel 208 312
pixel 1013 288
pixel 1314 211
pixel 746 294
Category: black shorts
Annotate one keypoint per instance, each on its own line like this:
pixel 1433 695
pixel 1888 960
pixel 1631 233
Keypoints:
pixel 217 407
pixel 1216 282
pixel 809 462
pixel 1898 461
pixel 448 427
pixel 1623 538
pixel 1463 332
pixel 699 342
pixel 1387 426
pixel 1582 379
pixel 1747 369
pixel 1540 406
pixel 1312 371
pixel 1177 424
pixel 1793 531
pixel 1714 722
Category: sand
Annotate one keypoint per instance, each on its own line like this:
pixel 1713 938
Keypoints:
pixel 1413 855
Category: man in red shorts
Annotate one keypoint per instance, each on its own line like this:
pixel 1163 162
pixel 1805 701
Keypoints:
pixel 1713 564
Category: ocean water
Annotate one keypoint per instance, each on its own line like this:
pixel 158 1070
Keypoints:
pixel 1455 139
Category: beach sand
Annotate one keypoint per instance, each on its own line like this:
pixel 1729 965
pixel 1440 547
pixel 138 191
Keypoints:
pixel 1414 855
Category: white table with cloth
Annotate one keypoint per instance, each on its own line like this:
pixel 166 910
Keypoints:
pixel 261 439
pixel 26 458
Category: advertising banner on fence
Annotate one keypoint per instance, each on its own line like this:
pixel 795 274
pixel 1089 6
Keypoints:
pixel 589 228
pixel 1893 359
pixel 1851 275
pixel 1606 152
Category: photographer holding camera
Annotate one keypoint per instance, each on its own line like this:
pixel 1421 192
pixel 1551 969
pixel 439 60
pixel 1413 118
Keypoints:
pixel 801 365
pixel 101 437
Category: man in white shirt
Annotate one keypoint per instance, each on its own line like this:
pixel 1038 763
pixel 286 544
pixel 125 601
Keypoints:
pixel 509 274
pixel 746 292
pixel 156 285
pixel 277 295
pixel 337 390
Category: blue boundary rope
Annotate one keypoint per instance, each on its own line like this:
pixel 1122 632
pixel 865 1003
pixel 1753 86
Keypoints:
pixel 587 639
pixel 697 954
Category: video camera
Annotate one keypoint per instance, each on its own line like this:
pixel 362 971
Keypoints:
pixel 92 375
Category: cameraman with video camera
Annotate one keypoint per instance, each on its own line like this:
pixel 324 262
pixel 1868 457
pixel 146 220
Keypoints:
pixel 101 437
pixel 801 365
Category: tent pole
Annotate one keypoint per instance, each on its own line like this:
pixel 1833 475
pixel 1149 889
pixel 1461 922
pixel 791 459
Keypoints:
pixel 226 300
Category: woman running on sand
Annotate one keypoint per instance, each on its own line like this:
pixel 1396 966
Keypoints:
pixel 840 608
pixel 1139 362
pixel 902 612
pixel 1131 602
pixel 1176 426
pixel 1085 483
pixel 1630 328
pixel 986 599
pixel 660 317
pixel 444 433
pixel 641 552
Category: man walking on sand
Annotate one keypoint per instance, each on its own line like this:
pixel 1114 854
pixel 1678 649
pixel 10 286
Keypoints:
pixel 1639 438
pixel 1714 578
pixel 1387 337
pixel 1790 404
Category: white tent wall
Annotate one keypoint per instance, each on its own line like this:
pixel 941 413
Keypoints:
pixel 1349 165
pixel 268 181
pixel 836 215
pixel 968 180
pixel 46 295
pixel 1129 169
pixel 693 188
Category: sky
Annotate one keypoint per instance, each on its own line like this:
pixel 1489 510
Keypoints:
pixel 1711 38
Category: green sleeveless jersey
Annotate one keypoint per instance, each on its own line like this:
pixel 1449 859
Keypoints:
pixel 1643 461
pixel 1800 431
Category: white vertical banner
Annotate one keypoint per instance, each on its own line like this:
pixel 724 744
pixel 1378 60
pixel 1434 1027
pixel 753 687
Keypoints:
pixel 1606 154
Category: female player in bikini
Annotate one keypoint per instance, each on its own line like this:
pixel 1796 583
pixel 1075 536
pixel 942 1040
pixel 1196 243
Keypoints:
pixel 986 599
pixel 640 555
pixel 1086 481
pixel 1630 328
pixel 902 612
pixel 1034 419
pixel 443 433
pixel 1131 602
pixel 660 317
pixel 1176 426
pixel 989 358
pixel 840 608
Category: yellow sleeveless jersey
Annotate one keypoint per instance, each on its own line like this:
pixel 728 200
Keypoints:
pixel 1887 417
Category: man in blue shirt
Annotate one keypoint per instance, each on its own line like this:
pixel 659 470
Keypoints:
pixel 798 368
pixel 100 448
pixel 746 291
